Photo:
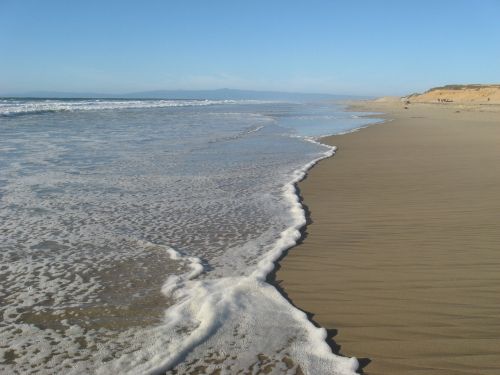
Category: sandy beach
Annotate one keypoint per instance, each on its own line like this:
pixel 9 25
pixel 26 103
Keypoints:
pixel 401 258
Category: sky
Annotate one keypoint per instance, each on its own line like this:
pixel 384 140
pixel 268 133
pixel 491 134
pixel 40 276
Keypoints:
pixel 358 47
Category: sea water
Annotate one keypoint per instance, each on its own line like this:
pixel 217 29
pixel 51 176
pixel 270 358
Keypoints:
pixel 136 235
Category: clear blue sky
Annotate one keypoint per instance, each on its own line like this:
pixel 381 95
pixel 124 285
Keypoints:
pixel 371 47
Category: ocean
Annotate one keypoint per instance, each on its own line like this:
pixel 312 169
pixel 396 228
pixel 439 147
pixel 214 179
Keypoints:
pixel 136 235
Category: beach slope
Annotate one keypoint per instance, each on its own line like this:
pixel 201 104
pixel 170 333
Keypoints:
pixel 402 255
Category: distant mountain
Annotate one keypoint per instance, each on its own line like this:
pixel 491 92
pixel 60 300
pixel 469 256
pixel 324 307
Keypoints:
pixel 220 94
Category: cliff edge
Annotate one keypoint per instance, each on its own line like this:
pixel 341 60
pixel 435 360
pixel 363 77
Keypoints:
pixel 460 94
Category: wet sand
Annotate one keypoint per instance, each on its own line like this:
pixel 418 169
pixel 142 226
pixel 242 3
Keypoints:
pixel 402 255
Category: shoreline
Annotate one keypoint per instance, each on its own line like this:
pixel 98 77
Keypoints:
pixel 271 276
pixel 307 288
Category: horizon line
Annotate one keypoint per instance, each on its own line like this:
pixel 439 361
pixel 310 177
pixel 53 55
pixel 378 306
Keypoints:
pixel 128 94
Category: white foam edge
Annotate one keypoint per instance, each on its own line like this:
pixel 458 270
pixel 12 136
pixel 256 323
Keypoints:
pixel 288 238
pixel 203 291
pixel 291 235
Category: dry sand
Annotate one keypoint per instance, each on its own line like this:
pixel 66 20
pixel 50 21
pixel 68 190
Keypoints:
pixel 403 253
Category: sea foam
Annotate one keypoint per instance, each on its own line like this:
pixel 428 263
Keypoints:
pixel 138 240
pixel 236 308
pixel 19 107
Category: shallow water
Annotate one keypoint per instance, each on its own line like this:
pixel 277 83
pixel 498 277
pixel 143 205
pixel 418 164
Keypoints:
pixel 136 235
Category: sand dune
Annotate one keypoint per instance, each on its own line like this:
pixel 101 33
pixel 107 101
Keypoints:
pixel 462 94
